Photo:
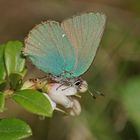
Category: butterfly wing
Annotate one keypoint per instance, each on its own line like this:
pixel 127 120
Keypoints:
pixel 84 32
pixel 49 48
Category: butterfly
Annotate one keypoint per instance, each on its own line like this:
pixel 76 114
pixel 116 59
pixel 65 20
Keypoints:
pixel 66 50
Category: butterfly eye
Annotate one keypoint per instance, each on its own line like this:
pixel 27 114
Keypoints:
pixel 77 83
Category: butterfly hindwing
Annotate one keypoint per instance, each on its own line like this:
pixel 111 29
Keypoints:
pixel 84 32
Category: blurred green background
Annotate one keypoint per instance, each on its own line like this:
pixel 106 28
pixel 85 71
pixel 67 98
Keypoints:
pixel 115 71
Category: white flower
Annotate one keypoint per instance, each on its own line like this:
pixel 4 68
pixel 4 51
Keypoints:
pixel 60 93
pixel 76 109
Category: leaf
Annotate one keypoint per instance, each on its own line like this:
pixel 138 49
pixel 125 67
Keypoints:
pixel 2 66
pixel 2 101
pixel 34 102
pixel 2 85
pixel 14 61
pixel 15 80
pixel 14 129
pixel 131 101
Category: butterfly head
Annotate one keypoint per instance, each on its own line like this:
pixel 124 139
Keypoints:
pixel 81 85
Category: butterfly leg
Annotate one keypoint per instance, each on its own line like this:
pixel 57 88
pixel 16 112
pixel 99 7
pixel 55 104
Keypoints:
pixel 60 86
pixel 66 87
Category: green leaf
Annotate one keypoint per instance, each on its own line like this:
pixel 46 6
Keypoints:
pixel 14 61
pixel 2 85
pixel 2 66
pixel 15 80
pixel 23 72
pixel 131 101
pixel 14 129
pixel 2 101
pixel 34 102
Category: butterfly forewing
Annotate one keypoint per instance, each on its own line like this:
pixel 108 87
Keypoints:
pixel 84 32
pixel 49 48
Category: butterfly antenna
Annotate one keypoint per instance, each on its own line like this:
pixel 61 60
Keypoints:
pixel 95 93
pixel 94 97
pixel 98 93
